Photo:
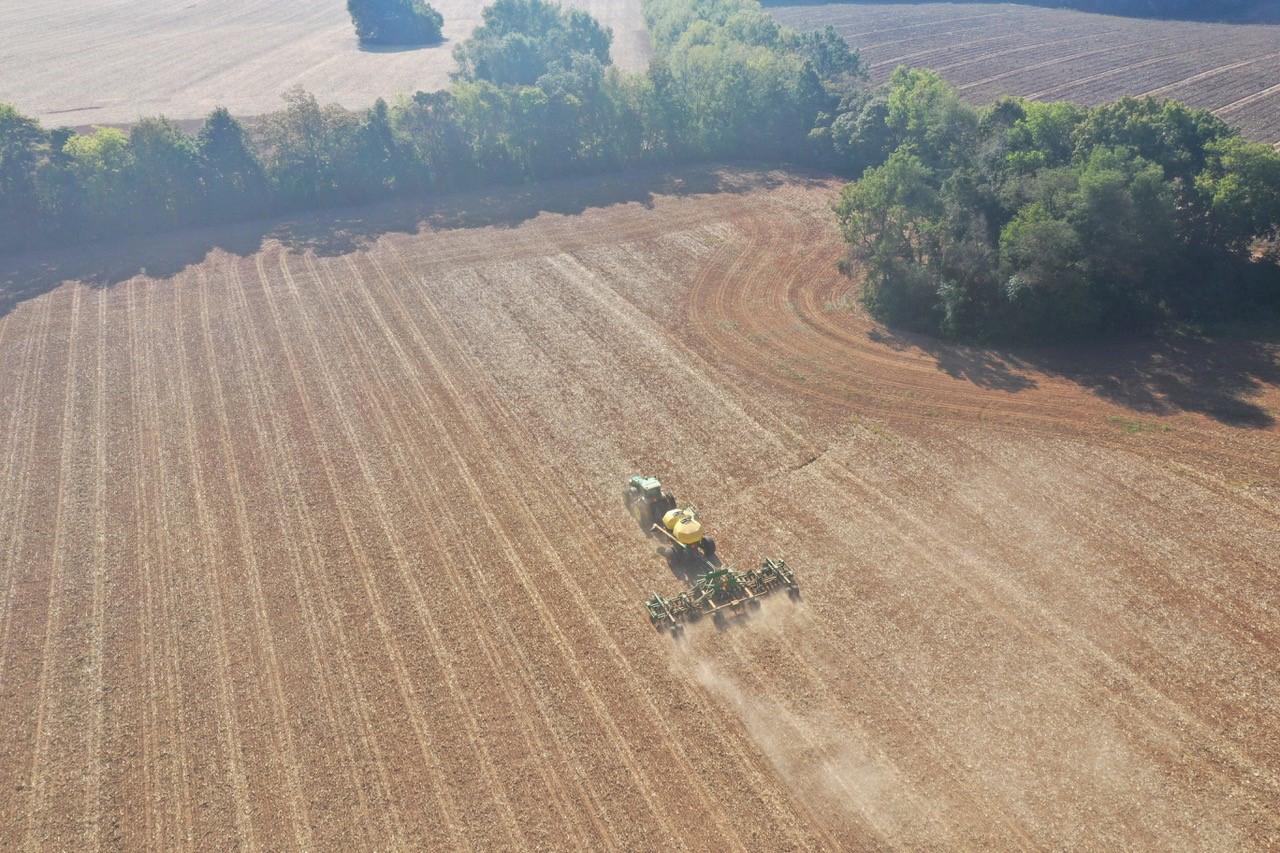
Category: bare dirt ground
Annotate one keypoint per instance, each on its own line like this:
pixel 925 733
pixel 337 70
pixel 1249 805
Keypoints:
pixel 79 62
pixel 321 546
pixel 991 49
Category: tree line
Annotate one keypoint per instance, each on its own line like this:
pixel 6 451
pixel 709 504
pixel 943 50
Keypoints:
pixel 1018 219
pixel 535 96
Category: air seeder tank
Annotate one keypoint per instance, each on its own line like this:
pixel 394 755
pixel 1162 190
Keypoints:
pixel 683 525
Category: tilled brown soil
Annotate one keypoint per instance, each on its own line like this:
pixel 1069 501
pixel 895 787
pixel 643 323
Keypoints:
pixel 992 49
pixel 324 549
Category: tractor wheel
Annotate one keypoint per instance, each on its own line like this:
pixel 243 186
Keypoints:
pixel 708 546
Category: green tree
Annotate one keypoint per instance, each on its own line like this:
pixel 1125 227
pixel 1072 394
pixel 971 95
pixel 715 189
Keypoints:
pixel 164 173
pixel 234 182
pixel 891 219
pixel 306 146
pixel 100 163
pixel 22 149
pixel 926 111
pixel 831 57
pixel 520 40
pixel 1168 133
pixel 396 22
pixel 438 148
pixel 1241 186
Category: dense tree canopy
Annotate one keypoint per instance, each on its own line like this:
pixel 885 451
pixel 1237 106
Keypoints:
pixel 520 40
pixel 1031 220
pixel 396 22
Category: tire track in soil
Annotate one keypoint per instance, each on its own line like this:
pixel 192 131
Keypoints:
pixel 401 550
pixel 284 748
pixel 152 829
pixel 953 46
pixel 528 451
pixel 404 684
pixel 731 273
pixel 1093 78
pixel 1007 601
pixel 152 472
pixel 483 392
pixel 1248 99
pixel 453 400
pixel 14 512
pixel 1057 60
pixel 754 250
pixel 38 768
pixel 93 808
pixel 1022 48
pixel 229 725
pixel 437 505
pixel 511 556
pixel 1203 75
pixel 287 493
pixel 749 766
pixel 982 809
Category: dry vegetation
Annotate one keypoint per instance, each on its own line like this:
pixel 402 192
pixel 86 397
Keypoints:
pixel 321 545
pixel 989 50
pixel 77 62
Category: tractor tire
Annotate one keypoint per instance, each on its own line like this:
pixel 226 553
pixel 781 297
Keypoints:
pixel 708 546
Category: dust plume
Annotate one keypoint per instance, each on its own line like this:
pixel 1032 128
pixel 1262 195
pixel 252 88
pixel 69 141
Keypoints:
pixel 852 786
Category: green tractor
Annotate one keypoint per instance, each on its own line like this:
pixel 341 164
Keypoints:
pixel 655 509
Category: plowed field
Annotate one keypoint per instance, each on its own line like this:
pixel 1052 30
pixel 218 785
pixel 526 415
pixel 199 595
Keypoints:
pixel 77 62
pixel 320 545
pixel 991 49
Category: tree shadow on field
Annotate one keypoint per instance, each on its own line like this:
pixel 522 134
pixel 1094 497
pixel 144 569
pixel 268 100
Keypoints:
pixel 339 231
pixel 1216 377
pixel 983 367
pixel 364 47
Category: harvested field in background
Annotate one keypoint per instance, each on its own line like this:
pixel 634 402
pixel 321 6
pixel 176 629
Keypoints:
pixel 320 544
pixel 989 50
pixel 78 62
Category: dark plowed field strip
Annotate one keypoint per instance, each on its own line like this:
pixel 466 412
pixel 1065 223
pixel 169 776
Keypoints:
pixel 324 550
pixel 989 50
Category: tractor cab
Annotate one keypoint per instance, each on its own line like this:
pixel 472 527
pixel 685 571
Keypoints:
pixel 647 501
